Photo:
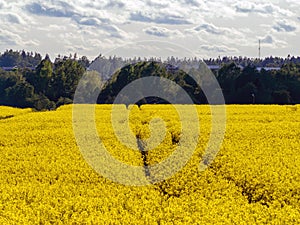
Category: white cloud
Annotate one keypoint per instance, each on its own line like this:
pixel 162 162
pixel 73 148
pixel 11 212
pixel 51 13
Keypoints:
pixel 162 32
pixel 216 34
pixel 12 39
pixel 195 3
pixel 77 14
pixel 84 16
pixel 157 4
pixel 115 4
pixel 217 25
pixel 261 8
pixel 8 38
pixel 210 28
pixel 59 9
pixel 293 2
pixel 11 18
pixel 152 17
pixel 105 25
pixel 284 26
pixel 267 40
pixel 218 49
pixel 272 42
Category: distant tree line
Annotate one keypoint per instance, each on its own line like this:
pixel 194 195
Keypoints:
pixel 41 84
pixel 135 71
pixel 248 85
pixel 22 59
pixel 239 86
pixel 257 62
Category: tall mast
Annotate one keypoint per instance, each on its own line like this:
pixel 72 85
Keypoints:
pixel 259 49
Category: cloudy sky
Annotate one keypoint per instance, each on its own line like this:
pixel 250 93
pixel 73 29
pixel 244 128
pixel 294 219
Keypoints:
pixel 207 28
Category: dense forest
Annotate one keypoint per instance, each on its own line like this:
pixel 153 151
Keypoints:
pixel 239 86
pixel 28 80
pixel 38 83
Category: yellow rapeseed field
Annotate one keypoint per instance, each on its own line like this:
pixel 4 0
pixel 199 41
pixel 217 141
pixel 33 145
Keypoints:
pixel 255 178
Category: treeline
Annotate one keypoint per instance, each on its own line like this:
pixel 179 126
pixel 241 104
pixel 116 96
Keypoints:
pixel 42 84
pixel 47 86
pixel 135 71
pixel 239 86
pixel 257 62
pixel 22 59
pixel 248 85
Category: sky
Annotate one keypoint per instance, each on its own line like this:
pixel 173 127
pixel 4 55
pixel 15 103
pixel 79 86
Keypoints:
pixel 151 28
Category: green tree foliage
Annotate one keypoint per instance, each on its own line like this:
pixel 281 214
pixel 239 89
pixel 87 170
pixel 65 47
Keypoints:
pixel 65 78
pixel 133 72
pixel 14 90
pixel 45 85
pixel 43 103
pixel 260 87
pixel 227 76
pixel 43 76
pixel 12 58
pixel 282 97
